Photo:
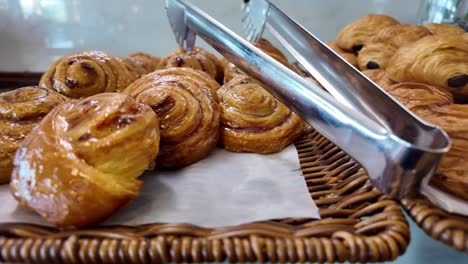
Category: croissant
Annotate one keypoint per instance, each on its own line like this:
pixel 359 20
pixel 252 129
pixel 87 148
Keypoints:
pixel 252 120
pixel 439 60
pixel 87 73
pixel 142 63
pixel 420 98
pixel 379 48
pixel 231 71
pixel 185 100
pixel 20 111
pixel 198 59
pixel 379 77
pixel 82 162
pixel 348 56
pixel 435 105
pixel 354 35
pixel 444 29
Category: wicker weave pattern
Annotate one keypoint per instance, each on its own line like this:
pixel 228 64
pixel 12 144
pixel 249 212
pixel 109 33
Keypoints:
pixel 358 224
pixel 449 228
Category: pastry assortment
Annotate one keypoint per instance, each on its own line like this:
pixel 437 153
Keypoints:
pixel 73 147
pixel 426 69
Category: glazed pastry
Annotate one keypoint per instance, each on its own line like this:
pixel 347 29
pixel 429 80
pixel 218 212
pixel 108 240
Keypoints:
pixel 420 98
pixel 435 105
pixel 348 56
pixel 231 71
pixel 199 59
pixel 20 111
pixel 252 120
pixel 444 29
pixel 353 36
pixel 82 162
pixel 142 63
pixel 87 73
pixel 379 77
pixel 379 48
pixel 440 60
pixel 185 101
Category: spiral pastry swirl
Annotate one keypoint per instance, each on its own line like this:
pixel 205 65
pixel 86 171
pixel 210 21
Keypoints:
pixel 87 73
pixel 252 120
pixel 380 48
pixel 82 162
pixel 198 59
pixel 353 37
pixel 20 111
pixel 439 60
pixel 185 101
pixel 142 63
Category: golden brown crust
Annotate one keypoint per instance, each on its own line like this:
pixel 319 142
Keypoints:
pixel 142 63
pixel 465 37
pixel 87 73
pixel 379 77
pixel 435 105
pixel 348 56
pixel 20 111
pixel 82 161
pixel 231 71
pixel 353 36
pixel 198 59
pixel 444 29
pixel 185 100
pixel 440 60
pixel 380 48
pixel 252 120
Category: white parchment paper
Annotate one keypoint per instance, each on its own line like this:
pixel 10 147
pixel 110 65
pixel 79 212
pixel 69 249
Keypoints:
pixel 224 189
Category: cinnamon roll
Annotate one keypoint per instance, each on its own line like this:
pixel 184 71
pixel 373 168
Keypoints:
pixel 379 48
pixel 252 120
pixel 444 29
pixel 348 56
pixel 439 60
pixel 379 77
pixel 20 111
pixel 87 73
pixel 82 162
pixel 231 71
pixel 198 59
pixel 185 101
pixel 142 63
pixel 353 36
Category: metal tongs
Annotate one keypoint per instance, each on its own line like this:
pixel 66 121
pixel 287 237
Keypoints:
pixel 398 150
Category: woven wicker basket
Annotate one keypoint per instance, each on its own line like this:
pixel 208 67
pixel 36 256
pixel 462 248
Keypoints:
pixel 358 224
pixel 449 228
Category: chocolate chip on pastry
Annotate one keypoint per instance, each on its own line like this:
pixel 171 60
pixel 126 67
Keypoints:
pixel 20 111
pixel 142 63
pixel 252 120
pixel 439 60
pixel 353 37
pixel 348 56
pixel 185 101
pixel 379 77
pixel 444 29
pixel 87 73
pixel 198 59
pixel 81 163
pixel 380 48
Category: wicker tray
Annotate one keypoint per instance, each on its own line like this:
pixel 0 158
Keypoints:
pixel 358 224
pixel 449 228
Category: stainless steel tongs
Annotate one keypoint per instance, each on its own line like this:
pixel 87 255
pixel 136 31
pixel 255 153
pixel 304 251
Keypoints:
pixel 399 151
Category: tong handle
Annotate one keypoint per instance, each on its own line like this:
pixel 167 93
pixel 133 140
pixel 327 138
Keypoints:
pixel 361 137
